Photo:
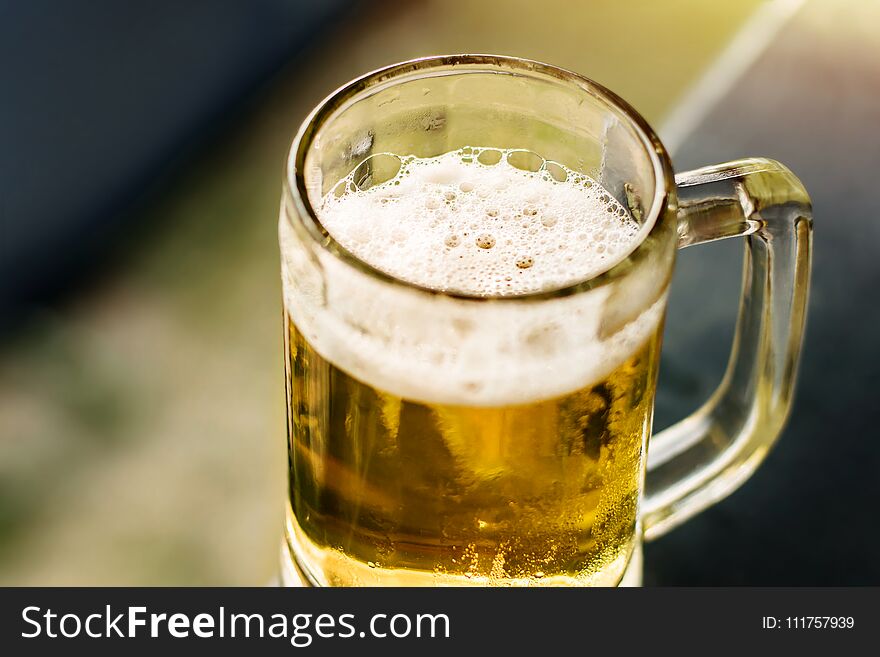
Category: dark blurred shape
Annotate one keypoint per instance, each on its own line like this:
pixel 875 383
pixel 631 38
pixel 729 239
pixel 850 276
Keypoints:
pixel 98 97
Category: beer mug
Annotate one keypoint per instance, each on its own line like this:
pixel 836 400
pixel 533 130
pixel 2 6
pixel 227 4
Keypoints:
pixel 489 423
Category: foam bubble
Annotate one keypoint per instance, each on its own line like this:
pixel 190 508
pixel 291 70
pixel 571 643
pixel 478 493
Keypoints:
pixel 465 224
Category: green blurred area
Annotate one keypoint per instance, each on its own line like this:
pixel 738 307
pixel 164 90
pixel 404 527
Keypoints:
pixel 143 436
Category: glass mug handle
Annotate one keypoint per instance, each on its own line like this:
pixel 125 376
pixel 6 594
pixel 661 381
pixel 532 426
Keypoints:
pixel 705 457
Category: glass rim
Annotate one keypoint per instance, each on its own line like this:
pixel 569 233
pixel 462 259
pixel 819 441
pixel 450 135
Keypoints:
pixel 296 192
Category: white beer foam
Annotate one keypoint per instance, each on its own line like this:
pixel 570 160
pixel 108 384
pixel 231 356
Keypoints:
pixel 453 223
pixel 517 232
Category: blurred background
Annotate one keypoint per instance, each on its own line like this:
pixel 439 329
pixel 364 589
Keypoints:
pixel 141 154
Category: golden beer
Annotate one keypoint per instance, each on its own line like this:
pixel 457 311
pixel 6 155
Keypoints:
pixel 392 491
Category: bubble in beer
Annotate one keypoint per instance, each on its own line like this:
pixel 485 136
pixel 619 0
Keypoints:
pixel 485 241
pixel 478 221
pixel 525 160
pixel 489 156
pixel 556 171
